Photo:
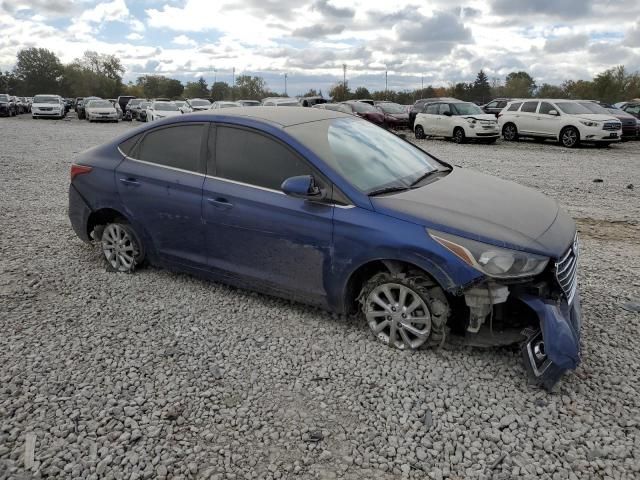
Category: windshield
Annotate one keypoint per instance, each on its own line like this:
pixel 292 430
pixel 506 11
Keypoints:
pixel 250 103
pixel 134 102
pixel 45 99
pixel 166 107
pixel 144 105
pixel 367 156
pixel 287 104
pixel 179 103
pixel 573 108
pixel 391 108
pixel 361 107
pixel 99 104
pixel 466 109
pixel 594 108
pixel 200 103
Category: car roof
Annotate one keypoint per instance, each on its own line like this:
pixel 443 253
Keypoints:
pixel 284 117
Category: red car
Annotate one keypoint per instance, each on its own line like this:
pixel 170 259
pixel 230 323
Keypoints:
pixel 364 110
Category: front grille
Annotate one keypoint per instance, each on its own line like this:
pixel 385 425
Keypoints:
pixel 612 126
pixel 567 271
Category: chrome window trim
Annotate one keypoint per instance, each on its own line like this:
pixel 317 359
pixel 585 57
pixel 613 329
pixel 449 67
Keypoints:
pixel 217 178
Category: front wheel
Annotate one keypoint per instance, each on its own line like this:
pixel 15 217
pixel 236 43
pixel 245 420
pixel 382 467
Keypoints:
pixel 403 310
pixel 570 137
pixel 419 132
pixel 459 136
pixel 121 247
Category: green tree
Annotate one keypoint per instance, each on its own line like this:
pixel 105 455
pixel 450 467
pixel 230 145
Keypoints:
pixel 482 88
pixel 197 89
pixel 38 70
pixel 220 91
pixel 312 93
pixel 519 85
pixel 551 91
pixel 249 87
pixel 580 89
pixel 362 92
pixel 173 88
pixel 340 92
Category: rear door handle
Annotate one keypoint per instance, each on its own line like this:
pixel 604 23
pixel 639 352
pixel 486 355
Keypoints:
pixel 130 181
pixel 220 202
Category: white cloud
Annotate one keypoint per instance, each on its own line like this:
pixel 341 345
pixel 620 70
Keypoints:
pixel 134 36
pixel 184 40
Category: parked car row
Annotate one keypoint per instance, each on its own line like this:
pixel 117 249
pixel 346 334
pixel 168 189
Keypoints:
pixel 569 122
pixel 11 106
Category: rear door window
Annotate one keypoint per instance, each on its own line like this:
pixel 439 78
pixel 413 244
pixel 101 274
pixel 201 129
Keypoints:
pixel 529 107
pixel 432 109
pixel 175 147
pixel 514 107
pixel 444 108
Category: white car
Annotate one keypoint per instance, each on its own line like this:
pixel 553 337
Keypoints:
pixel 51 106
pixel 159 110
pixel 280 102
pixel 565 121
pixel 195 105
pixel 100 111
pixel 221 104
pixel 456 119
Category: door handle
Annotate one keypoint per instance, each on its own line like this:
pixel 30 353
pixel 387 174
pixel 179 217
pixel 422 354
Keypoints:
pixel 130 181
pixel 220 202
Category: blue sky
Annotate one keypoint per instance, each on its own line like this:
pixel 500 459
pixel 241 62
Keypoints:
pixel 442 41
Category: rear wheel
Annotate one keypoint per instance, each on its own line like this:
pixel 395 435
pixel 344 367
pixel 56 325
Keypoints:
pixel 458 135
pixel 569 137
pixel 404 310
pixel 510 132
pixel 419 131
pixel 121 247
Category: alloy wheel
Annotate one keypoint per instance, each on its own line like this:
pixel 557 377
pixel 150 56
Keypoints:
pixel 419 131
pixel 569 137
pixel 120 248
pixel 509 132
pixel 458 136
pixel 398 316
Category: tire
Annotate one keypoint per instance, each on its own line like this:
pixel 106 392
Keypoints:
pixel 569 137
pixel 459 136
pixel 121 247
pixel 510 132
pixel 419 132
pixel 404 310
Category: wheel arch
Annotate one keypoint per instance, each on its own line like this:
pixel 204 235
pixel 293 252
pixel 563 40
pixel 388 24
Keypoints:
pixel 365 271
pixel 103 216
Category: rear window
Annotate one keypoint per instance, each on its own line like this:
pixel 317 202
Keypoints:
pixel 127 146
pixel 514 107
pixel 176 147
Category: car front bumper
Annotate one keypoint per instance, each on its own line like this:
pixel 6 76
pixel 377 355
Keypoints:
pixel 597 134
pixel 481 131
pixel 38 113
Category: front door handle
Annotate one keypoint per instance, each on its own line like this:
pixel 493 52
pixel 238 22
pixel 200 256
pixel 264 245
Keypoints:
pixel 220 202
pixel 130 181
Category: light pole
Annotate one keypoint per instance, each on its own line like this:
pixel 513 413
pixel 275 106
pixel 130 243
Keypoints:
pixel 386 84
pixel 344 81
pixel 285 84
pixel 233 83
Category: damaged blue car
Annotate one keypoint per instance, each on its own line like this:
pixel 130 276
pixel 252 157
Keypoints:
pixel 324 208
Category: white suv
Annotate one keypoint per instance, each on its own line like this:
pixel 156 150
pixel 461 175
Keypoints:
pixel 457 120
pixel 565 121
pixel 51 106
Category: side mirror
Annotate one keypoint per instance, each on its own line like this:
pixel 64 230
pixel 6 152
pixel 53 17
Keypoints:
pixel 554 112
pixel 302 186
pixel 446 114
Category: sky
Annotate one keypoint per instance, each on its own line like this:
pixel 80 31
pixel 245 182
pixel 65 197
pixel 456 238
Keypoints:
pixel 432 41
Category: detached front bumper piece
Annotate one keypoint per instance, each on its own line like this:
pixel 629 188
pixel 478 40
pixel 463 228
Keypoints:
pixel 555 348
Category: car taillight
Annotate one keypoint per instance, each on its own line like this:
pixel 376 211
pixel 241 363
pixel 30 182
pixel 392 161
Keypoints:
pixel 79 170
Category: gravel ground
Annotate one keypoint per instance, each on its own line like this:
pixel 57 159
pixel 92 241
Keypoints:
pixel 161 375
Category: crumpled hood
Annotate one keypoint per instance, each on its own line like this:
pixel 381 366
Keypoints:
pixel 482 116
pixel 485 208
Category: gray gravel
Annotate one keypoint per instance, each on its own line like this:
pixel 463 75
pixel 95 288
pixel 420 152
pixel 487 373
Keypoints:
pixel 160 375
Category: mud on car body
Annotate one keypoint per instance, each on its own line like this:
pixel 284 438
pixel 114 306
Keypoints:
pixel 328 209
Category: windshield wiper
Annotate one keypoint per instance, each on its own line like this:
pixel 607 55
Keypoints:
pixel 381 191
pixel 423 176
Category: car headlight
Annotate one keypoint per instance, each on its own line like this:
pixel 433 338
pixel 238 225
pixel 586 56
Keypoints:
pixel 589 124
pixel 491 260
pixel 472 121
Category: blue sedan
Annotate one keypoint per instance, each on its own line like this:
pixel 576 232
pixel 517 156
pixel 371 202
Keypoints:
pixel 331 210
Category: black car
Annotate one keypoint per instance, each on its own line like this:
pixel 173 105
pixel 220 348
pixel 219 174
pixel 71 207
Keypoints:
pixel 78 101
pixel 80 106
pixel 130 110
pixel 141 111
pixel 123 100
pixel 8 107
pixel 311 101
pixel 495 106
pixel 418 107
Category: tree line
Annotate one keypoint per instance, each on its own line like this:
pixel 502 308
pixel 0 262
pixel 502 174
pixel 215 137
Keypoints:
pixel 39 70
